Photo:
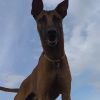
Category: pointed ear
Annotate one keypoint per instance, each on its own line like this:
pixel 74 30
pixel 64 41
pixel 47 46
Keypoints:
pixel 62 8
pixel 37 7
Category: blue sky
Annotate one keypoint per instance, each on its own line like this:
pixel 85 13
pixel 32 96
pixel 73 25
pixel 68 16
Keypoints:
pixel 20 46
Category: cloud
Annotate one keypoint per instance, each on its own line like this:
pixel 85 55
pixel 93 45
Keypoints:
pixel 83 47
pixel 11 80
pixel 12 29
pixel 50 5
pixel 83 41
pixel 6 42
pixel 83 9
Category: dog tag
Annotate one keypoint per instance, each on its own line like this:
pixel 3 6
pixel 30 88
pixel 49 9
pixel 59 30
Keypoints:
pixel 58 65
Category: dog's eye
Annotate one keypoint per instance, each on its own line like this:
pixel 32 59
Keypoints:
pixel 42 19
pixel 56 19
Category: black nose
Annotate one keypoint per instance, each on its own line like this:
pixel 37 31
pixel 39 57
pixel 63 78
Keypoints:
pixel 52 35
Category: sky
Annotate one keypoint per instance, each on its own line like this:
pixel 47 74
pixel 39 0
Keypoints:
pixel 20 45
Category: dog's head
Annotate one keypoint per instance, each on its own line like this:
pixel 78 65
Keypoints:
pixel 49 23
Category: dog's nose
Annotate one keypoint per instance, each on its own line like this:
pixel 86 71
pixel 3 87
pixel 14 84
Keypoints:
pixel 52 35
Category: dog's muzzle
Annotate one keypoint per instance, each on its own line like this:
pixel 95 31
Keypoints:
pixel 52 37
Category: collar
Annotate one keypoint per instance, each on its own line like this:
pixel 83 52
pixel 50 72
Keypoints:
pixel 54 60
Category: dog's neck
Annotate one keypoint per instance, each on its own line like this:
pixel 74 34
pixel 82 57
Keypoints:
pixel 55 53
pixel 54 60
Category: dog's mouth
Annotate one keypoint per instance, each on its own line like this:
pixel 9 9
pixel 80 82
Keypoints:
pixel 52 43
pixel 52 38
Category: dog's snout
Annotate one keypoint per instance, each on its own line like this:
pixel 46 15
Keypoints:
pixel 52 31
pixel 52 35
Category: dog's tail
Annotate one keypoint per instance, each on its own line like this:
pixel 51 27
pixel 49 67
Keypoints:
pixel 9 89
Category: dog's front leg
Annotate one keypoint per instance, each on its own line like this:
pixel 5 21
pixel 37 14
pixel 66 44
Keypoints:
pixel 42 89
pixel 44 82
pixel 66 95
pixel 65 82
pixel 66 91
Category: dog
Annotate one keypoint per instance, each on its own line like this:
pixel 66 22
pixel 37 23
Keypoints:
pixel 52 75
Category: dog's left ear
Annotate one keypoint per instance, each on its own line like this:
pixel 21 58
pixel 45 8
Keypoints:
pixel 37 7
pixel 62 8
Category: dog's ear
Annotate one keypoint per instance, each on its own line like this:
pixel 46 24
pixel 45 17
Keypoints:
pixel 37 7
pixel 62 8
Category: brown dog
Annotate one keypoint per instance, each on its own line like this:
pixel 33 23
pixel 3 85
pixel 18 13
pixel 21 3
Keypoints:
pixel 51 76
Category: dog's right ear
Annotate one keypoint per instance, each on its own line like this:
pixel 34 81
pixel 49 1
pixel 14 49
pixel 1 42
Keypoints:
pixel 37 7
pixel 62 8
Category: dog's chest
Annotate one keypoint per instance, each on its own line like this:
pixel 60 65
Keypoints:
pixel 55 65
